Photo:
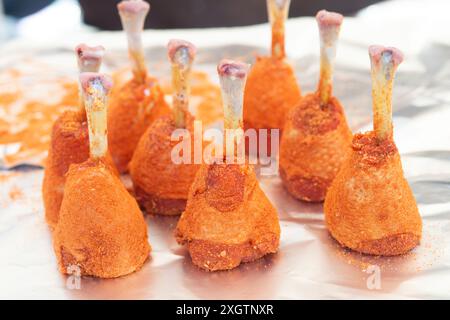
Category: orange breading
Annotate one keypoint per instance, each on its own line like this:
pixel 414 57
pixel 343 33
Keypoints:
pixel 160 185
pixel 228 219
pixel 313 147
pixel 270 92
pixel 101 229
pixel 370 207
pixel 69 145
pixel 132 109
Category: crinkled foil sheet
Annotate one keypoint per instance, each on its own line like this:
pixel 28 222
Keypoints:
pixel 309 264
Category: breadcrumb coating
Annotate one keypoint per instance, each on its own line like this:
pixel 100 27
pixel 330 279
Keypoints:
pixel 69 145
pixel 132 108
pixel 161 186
pixel 228 219
pixel 270 92
pixel 101 229
pixel 313 147
pixel 370 207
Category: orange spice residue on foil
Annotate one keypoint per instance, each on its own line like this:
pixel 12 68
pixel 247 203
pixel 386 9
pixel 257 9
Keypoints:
pixel 26 118
pixel 15 193
pixel 4 177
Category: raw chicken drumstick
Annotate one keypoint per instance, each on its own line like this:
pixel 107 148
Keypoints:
pixel 69 140
pixel 160 184
pixel 138 102
pixel 316 134
pixel 370 207
pixel 271 88
pixel 228 218
pixel 101 229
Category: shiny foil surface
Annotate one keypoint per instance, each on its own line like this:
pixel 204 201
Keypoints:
pixel 309 263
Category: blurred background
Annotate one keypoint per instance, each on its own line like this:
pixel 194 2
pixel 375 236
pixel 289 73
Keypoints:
pixel 24 17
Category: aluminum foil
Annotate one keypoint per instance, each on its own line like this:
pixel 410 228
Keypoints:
pixel 309 264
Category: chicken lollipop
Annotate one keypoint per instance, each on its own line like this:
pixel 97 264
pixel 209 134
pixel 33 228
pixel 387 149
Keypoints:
pixel 370 207
pixel 228 218
pixel 316 134
pixel 272 88
pixel 160 184
pixel 138 102
pixel 69 140
pixel 101 229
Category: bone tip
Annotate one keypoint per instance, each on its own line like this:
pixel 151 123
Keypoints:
pixel 281 3
pixel 327 19
pixel 230 68
pixel 133 7
pixel 390 54
pixel 175 44
pixel 84 51
pixel 87 79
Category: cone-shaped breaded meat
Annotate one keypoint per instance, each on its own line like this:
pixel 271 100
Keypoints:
pixel 370 207
pixel 271 89
pixel 316 134
pixel 140 101
pixel 161 184
pixel 228 218
pixel 101 230
pixel 69 140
